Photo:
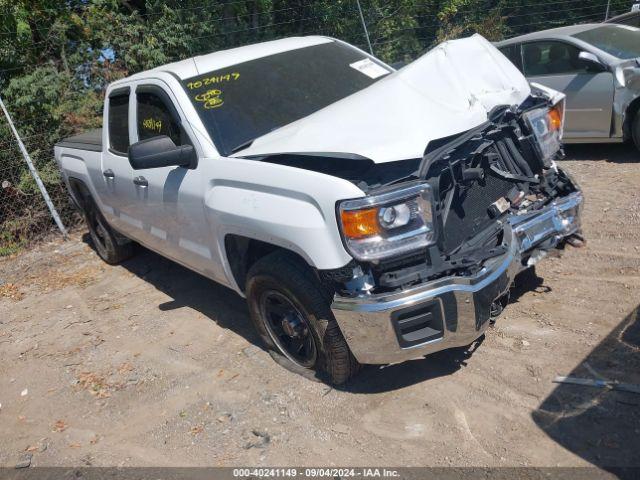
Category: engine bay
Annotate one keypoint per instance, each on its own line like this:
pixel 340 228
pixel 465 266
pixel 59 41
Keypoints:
pixel 479 179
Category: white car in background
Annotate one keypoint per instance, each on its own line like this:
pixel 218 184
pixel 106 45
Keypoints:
pixel 597 66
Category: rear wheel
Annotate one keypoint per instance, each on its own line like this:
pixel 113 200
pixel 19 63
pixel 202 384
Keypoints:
pixel 294 320
pixel 104 238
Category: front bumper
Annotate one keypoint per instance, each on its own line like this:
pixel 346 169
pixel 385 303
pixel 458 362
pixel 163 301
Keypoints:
pixel 453 311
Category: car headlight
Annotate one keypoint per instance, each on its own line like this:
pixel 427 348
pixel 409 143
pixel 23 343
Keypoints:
pixel 546 125
pixel 388 224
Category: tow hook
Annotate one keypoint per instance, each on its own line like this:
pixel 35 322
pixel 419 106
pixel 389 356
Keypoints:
pixel 497 307
pixel 576 240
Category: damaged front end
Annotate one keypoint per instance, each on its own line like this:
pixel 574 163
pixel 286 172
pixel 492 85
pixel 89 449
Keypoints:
pixel 436 251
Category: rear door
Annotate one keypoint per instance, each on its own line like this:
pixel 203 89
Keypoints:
pixel 556 65
pixel 115 187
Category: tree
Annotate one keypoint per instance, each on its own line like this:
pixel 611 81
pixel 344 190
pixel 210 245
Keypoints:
pixel 57 57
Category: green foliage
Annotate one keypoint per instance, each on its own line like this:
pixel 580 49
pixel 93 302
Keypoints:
pixel 13 238
pixel 48 173
pixel 56 57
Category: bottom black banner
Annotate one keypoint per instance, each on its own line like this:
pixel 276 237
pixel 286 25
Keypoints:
pixel 451 473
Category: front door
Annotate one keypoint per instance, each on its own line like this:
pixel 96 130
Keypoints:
pixel 170 200
pixel 589 93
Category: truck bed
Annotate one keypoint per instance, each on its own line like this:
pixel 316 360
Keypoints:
pixel 90 140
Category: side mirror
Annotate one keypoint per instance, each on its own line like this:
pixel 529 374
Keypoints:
pixel 592 61
pixel 161 152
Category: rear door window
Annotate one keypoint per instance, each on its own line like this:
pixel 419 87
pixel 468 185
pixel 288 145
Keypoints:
pixel 119 123
pixel 156 118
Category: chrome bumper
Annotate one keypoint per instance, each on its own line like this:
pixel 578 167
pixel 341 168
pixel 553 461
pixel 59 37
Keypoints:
pixel 452 311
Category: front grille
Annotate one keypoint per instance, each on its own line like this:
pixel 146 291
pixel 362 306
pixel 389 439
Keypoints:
pixel 469 213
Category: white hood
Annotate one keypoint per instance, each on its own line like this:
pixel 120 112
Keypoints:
pixel 449 90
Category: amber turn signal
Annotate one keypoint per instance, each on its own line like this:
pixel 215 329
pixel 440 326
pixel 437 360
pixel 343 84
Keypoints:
pixel 555 118
pixel 360 223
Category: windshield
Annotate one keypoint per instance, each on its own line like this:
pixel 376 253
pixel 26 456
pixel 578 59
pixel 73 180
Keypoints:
pixel 622 41
pixel 245 101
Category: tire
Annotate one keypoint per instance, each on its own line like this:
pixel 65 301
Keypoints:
pixel 278 282
pixel 635 130
pixel 104 238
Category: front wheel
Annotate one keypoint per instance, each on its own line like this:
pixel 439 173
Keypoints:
pixel 294 320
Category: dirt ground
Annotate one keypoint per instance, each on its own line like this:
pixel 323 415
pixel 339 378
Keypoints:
pixel 149 364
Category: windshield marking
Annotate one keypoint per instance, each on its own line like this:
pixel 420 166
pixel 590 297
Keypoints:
pixel 210 99
pixel 214 79
pixel 240 103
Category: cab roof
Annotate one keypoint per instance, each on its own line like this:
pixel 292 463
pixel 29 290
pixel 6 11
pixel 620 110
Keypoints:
pixel 201 64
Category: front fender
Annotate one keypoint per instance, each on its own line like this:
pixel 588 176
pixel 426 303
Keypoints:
pixel 285 218
pixel 280 205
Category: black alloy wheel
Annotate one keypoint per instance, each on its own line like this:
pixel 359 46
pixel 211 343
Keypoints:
pixel 288 328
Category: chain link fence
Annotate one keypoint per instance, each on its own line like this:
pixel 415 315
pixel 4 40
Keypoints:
pixel 24 215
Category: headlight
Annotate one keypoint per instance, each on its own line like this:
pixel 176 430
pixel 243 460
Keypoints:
pixel 546 125
pixel 388 224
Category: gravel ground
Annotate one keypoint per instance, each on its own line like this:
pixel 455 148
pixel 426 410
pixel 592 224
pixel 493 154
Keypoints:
pixel 149 364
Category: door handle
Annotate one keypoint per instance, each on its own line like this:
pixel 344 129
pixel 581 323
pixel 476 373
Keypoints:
pixel 108 173
pixel 141 181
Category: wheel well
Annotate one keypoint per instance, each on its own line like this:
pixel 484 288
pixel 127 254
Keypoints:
pixel 632 111
pixel 79 192
pixel 243 252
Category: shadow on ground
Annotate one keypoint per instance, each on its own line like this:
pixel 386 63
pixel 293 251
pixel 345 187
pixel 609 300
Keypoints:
pixel 527 281
pixel 611 152
pixel 378 379
pixel 223 306
pixel 190 289
pixel 602 426
pixel 229 310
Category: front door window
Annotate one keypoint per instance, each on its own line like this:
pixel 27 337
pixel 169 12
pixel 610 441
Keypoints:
pixel 552 58
pixel 156 119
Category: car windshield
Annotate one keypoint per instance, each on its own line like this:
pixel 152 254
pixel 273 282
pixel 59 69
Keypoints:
pixel 245 101
pixel 622 41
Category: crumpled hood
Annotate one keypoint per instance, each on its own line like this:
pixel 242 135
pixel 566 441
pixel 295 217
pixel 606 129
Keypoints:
pixel 447 91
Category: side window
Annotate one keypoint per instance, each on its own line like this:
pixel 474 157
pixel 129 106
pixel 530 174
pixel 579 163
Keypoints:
pixel 119 123
pixel 155 118
pixel 552 58
pixel 512 52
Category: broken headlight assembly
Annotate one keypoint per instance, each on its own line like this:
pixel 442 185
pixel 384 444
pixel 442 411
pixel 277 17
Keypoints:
pixel 389 224
pixel 546 125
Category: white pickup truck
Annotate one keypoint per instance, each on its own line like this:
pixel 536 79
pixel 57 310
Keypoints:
pixel 368 215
